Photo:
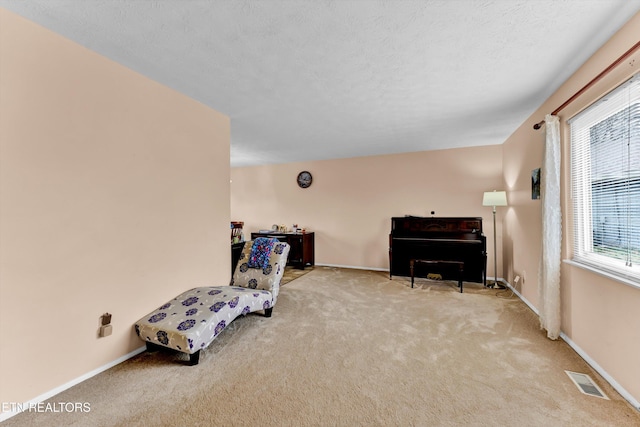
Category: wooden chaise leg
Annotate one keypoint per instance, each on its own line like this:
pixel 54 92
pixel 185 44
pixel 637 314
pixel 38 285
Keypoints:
pixel 194 358
pixel 268 312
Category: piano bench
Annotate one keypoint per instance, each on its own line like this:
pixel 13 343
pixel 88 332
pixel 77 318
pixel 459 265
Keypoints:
pixel 439 265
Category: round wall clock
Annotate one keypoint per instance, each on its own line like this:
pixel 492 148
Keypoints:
pixel 304 179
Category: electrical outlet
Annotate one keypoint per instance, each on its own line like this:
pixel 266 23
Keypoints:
pixel 516 280
pixel 106 330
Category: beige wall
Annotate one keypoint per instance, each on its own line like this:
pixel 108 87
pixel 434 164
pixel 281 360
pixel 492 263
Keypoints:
pixel 114 198
pixel 351 201
pixel 599 315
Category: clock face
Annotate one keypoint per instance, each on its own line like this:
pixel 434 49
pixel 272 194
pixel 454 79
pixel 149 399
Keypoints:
pixel 304 179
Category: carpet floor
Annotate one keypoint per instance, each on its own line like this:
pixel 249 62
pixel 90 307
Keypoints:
pixel 291 274
pixel 353 348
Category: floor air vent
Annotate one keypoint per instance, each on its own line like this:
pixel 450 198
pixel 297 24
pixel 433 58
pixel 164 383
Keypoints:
pixel 586 385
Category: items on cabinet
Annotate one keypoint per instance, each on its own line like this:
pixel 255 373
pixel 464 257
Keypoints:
pixel 237 235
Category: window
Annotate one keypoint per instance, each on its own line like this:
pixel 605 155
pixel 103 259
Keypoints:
pixel 605 182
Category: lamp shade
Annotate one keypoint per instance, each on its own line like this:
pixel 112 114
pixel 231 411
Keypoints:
pixel 494 198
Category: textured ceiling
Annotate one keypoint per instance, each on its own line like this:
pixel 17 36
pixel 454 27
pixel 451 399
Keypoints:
pixel 319 79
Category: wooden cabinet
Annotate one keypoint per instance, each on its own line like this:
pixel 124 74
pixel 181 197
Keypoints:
pixel 302 245
pixel 236 251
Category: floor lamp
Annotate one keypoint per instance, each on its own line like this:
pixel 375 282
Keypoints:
pixel 495 198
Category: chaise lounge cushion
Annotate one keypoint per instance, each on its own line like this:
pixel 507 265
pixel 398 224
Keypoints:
pixel 190 321
pixel 267 278
pixel 193 319
pixel 260 252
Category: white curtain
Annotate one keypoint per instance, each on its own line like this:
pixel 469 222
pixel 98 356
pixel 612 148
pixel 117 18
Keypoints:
pixel 549 278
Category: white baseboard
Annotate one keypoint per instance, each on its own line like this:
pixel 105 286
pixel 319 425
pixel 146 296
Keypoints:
pixel 60 389
pixel 604 374
pixel 353 267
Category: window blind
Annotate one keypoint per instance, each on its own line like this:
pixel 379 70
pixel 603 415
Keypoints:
pixel 605 178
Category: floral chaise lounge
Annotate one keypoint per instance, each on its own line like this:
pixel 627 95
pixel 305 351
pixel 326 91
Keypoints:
pixel 192 320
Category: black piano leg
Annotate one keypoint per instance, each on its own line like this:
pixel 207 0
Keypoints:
pixel 411 264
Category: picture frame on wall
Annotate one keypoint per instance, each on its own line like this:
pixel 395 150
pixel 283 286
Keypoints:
pixel 535 184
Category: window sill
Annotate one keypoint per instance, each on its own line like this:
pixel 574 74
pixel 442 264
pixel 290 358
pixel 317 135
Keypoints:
pixel 621 279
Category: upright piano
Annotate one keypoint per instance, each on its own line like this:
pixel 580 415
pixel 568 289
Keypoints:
pixel 438 239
